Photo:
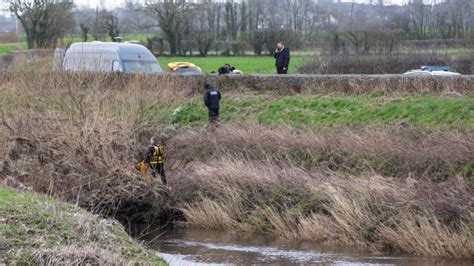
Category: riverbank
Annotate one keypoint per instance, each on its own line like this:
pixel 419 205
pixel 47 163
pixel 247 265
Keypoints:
pixel 37 229
pixel 385 166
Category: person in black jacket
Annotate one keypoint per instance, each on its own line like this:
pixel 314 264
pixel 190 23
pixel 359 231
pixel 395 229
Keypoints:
pixel 225 69
pixel 282 58
pixel 212 96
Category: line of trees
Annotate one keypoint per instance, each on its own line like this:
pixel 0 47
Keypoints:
pixel 233 26
pixel 343 27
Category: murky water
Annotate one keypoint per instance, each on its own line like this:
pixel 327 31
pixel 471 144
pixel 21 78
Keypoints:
pixel 202 247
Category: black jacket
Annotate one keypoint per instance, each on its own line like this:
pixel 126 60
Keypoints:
pixel 282 58
pixel 225 70
pixel 212 96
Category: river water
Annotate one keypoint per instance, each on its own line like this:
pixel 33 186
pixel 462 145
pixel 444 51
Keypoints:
pixel 180 246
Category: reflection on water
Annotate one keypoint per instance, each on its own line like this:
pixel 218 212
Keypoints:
pixel 203 247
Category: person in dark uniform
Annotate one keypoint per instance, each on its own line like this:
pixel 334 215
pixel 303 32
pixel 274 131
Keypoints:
pixel 282 58
pixel 212 97
pixel 225 69
pixel 155 158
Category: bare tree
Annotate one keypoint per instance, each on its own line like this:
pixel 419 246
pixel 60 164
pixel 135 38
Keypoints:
pixel 84 31
pixel 170 15
pixel 205 32
pixel 298 10
pixel 110 22
pixel 232 19
pixel 44 21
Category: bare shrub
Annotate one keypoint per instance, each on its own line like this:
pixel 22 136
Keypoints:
pixel 176 87
pixel 383 64
pixel 78 138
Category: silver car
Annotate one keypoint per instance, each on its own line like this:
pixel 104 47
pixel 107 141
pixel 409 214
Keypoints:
pixel 432 71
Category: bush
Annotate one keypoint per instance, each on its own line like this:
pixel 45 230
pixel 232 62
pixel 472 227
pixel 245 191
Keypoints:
pixel 382 64
pixel 223 46
pixel 290 38
pixel 157 45
pixel 238 48
pixel 256 40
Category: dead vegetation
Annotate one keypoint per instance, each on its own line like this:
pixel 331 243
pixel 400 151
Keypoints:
pixel 79 136
pixel 174 87
pixel 240 192
pixel 75 140
pixel 373 187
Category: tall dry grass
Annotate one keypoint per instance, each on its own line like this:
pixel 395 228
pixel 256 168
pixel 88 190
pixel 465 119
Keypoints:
pixel 380 213
pixel 387 150
pixel 256 179
pixel 178 86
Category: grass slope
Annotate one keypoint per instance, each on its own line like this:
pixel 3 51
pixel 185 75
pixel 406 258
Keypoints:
pixel 36 229
pixel 323 111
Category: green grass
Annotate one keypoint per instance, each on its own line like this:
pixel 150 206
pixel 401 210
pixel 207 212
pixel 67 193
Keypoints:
pixel 10 47
pixel 323 111
pixel 33 226
pixel 248 64
pixel 7 47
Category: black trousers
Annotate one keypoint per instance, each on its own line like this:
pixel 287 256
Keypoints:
pixel 280 70
pixel 159 169
pixel 213 115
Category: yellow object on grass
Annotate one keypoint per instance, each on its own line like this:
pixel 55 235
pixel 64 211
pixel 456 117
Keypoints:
pixel 144 170
pixel 175 65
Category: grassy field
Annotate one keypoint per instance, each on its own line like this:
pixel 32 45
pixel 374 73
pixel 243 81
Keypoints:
pixel 10 47
pixel 5 48
pixel 248 64
pixel 36 229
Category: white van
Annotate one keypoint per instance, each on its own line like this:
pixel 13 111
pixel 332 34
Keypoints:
pixel 101 56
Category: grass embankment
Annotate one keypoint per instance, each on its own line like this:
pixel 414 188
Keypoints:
pixel 388 171
pixel 327 111
pixel 36 229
